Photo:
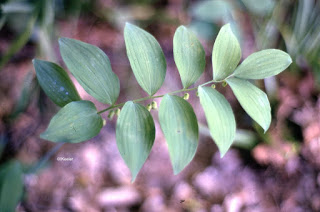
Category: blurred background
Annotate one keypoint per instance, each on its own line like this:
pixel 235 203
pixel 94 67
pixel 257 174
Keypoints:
pixel 275 171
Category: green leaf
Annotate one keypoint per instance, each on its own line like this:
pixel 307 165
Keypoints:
pixel 211 11
pixel 189 56
pixel 219 116
pixel 262 64
pixel 28 88
pixel 3 143
pixel 91 67
pixel 16 7
pixel 226 53
pixel 146 58
pixel 180 128
pixel 260 8
pixel 135 135
pixel 11 186
pixel 55 82
pixel 19 42
pixel 203 29
pixel 253 100
pixel 3 19
pixel 76 122
pixel 245 139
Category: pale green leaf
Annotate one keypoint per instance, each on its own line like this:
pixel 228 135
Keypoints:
pixel 260 7
pixel 135 134
pixel 226 53
pixel 11 186
pixel 91 67
pixel 55 82
pixel 245 139
pixel 146 58
pixel 76 122
pixel 253 100
pixel 211 10
pixel 203 29
pixel 180 128
pixel 189 56
pixel 262 64
pixel 219 116
pixel 16 7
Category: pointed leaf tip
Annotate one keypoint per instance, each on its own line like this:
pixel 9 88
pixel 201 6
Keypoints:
pixel 135 134
pixel 55 82
pixel 76 122
pixel 62 40
pixel 219 116
pixel 92 69
pixel 223 153
pixel 180 128
pixel 128 24
pixel 146 58
pixel 189 56
pixel 253 100
pixel 226 53
pixel 263 64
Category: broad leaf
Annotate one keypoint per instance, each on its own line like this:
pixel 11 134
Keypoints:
pixel 11 186
pixel 203 29
pixel 211 10
pixel 262 64
pixel 219 116
pixel 253 100
pixel 91 67
pixel 226 53
pixel 146 58
pixel 55 82
pixel 180 128
pixel 135 135
pixel 76 122
pixel 260 8
pixel 189 56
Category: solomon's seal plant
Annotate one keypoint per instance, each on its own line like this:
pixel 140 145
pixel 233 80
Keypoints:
pixel 78 120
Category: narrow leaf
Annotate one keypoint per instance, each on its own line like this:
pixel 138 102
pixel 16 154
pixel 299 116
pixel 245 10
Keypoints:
pixel 146 58
pixel 18 42
pixel 11 186
pixel 253 100
pixel 219 116
pixel 189 56
pixel 91 67
pixel 180 128
pixel 76 122
pixel 135 135
pixel 226 53
pixel 55 82
pixel 262 64
pixel 28 88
